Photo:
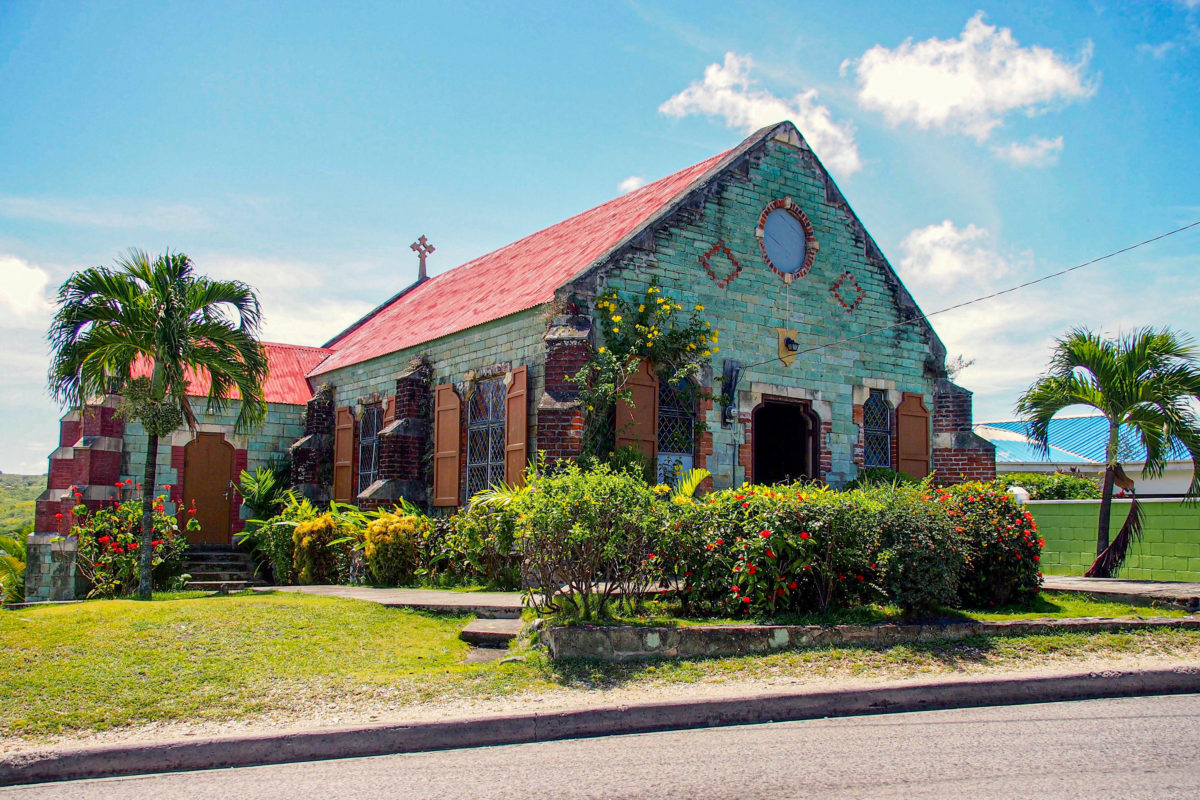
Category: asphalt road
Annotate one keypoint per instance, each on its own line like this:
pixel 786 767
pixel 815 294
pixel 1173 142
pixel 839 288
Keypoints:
pixel 1125 748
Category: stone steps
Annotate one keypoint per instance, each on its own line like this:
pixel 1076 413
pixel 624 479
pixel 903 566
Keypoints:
pixel 495 633
pixel 220 571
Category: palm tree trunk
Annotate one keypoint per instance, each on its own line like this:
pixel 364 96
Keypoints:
pixel 146 565
pixel 1105 510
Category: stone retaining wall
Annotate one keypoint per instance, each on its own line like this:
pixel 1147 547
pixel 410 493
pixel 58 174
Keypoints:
pixel 630 643
pixel 49 567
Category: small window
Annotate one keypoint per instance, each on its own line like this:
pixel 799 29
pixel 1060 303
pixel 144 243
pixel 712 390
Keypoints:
pixel 368 445
pixel 784 240
pixel 485 435
pixel 676 430
pixel 877 423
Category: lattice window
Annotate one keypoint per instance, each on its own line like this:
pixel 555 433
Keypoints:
pixel 877 424
pixel 485 435
pixel 676 429
pixel 368 445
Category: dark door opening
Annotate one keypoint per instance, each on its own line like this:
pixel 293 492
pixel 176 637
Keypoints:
pixel 785 442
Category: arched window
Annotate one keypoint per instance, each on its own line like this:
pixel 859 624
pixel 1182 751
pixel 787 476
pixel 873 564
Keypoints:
pixel 877 426
pixel 368 445
pixel 676 429
pixel 485 435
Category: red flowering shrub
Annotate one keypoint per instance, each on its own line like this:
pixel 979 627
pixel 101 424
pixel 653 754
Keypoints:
pixel 1003 546
pixel 767 550
pixel 109 542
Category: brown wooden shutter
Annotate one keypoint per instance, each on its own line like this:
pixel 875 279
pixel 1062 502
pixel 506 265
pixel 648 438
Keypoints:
pixel 637 425
pixel 516 427
pixel 447 445
pixel 912 433
pixel 389 412
pixel 343 455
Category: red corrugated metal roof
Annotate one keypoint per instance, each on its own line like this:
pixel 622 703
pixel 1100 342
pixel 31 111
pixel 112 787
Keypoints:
pixel 516 277
pixel 287 365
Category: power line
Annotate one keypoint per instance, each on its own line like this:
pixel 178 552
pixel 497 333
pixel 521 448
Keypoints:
pixel 920 317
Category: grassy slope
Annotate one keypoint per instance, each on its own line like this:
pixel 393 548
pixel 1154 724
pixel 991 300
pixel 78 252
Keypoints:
pixel 107 664
pixel 17 493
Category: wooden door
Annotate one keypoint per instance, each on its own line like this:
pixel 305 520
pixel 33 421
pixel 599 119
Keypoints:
pixel 912 434
pixel 637 424
pixel 207 473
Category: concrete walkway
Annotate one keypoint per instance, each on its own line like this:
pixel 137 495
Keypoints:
pixel 490 605
pixel 1185 595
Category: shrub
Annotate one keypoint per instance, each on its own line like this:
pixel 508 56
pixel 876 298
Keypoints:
pixel 878 476
pixel 108 542
pixel 1052 485
pixel 478 544
pixel 391 546
pixel 922 556
pixel 273 539
pixel 769 549
pixel 587 535
pixel 322 553
pixel 12 565
pixel 1003 548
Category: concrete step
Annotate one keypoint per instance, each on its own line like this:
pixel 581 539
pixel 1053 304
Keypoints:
pixel 492 632
pixel 222 586
pixel 218 576
pixel 220 558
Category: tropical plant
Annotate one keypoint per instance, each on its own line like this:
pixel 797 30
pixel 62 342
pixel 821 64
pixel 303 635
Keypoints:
pixel 109 550
pixel 12 567
pixel 157 315
pixel 1145 382
pixel 262 492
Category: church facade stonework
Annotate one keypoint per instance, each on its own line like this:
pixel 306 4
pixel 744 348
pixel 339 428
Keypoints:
pixel 825 365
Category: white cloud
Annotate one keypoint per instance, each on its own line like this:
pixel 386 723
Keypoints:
pixel 24 300
pixel 944 255
pixel 103 214
pixel 303 303
pixel 966 84
pixel 631 183
pixel 728 91
pixel 1156 51
pixel 1037 152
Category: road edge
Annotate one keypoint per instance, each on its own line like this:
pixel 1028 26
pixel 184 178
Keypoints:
pixel 264 749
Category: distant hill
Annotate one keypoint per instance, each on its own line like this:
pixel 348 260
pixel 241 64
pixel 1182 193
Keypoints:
pixel 17 493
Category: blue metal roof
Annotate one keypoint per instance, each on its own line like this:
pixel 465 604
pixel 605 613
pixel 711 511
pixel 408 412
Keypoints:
pixel 1072 440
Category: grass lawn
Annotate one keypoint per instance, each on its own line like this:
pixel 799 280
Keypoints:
pixel 109 664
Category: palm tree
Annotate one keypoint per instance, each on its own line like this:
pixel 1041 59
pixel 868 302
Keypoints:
pixel 1146 382
pixel 159 315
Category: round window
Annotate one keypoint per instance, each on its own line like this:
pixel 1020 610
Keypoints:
pixel 784 240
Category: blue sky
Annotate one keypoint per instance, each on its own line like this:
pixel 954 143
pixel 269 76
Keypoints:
pixel 302 147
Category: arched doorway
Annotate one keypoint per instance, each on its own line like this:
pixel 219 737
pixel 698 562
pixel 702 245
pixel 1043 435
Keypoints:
pixel 785 443
pixel 207 474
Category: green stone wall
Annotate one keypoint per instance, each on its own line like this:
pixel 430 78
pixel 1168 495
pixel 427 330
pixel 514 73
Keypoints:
pixel 1169 550
pixel 754 304
pixel 516 339
pixel 284 425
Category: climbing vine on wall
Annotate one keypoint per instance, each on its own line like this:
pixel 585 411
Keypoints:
pixel 651 326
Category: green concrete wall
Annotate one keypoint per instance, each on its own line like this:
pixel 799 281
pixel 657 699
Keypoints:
pixel 750 309
pixel 516 339
pixel 1169 549
pixel 284 425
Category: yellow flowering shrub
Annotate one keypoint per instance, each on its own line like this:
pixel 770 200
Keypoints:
pixel 315 558
pixel 392 546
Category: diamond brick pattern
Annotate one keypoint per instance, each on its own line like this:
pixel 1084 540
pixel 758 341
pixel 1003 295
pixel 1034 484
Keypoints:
pixel 847 291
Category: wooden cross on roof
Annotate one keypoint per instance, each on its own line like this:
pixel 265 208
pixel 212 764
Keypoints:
pixel 423 248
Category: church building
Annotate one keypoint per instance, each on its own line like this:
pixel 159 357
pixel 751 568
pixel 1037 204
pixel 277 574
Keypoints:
pixel 825 367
